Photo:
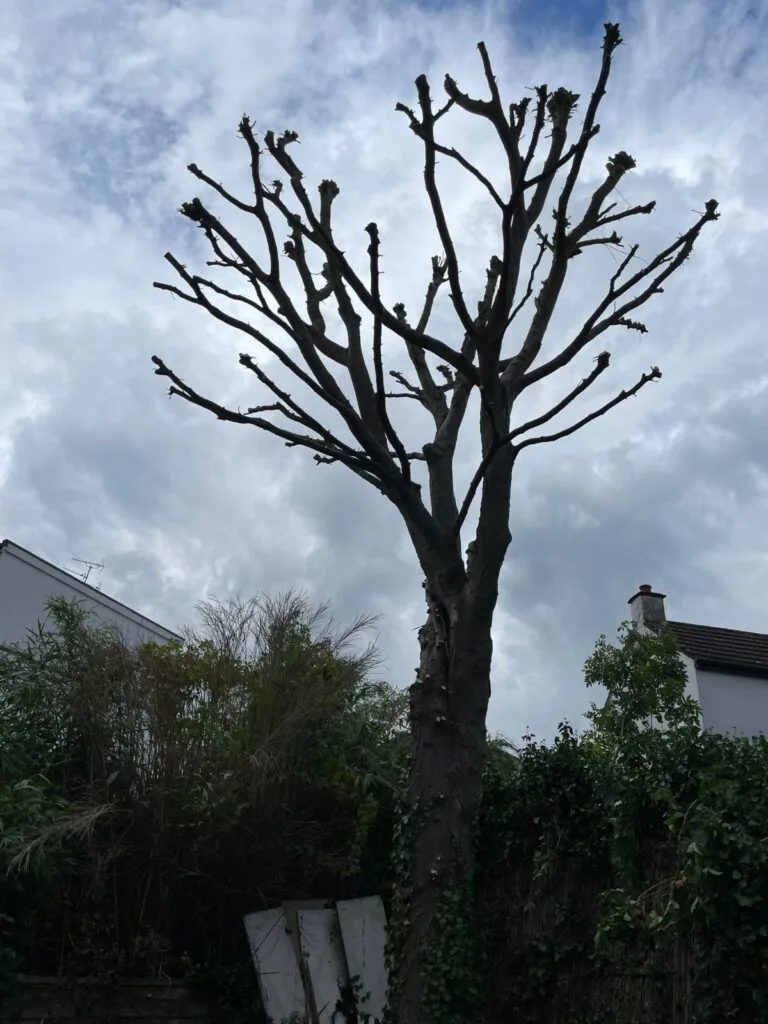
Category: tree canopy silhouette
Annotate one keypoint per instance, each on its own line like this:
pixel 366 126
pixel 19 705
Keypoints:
pixel 343 369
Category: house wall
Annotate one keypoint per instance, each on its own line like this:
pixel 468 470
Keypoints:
pixel 692 684
pixel 26 584
pixel 732 703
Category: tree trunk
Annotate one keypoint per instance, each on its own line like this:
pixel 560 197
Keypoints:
pixel 449 702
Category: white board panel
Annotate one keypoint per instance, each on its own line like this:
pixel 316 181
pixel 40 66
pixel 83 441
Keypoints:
pixel 323 955
pixel 291 910
pixel 276 965
pixel 363 925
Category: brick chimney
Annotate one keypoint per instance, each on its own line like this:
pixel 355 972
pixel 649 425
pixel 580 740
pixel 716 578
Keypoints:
pixel 647 607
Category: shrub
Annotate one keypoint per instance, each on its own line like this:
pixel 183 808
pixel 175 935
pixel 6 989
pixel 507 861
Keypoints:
pixel 162 792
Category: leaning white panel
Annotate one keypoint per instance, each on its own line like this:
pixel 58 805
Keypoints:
pixel 323 956
pixel 291 910
pixel 363 925
pixel 277 968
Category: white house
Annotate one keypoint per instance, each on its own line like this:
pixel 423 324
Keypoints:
pixel 727 669
pixel 26 584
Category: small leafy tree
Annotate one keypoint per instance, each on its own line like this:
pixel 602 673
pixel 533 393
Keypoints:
pixel 300 276
pixel 645 680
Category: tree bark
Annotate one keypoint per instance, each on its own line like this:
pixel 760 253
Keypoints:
pixel 449 702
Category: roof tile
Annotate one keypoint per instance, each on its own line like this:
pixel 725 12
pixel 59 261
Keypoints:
pixel 722 648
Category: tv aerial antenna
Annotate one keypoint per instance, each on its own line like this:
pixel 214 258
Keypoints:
pixel 89 567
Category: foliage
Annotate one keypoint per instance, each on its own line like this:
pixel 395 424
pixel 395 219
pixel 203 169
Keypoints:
pixel 150 797
pixel 624 869
pixel 646 683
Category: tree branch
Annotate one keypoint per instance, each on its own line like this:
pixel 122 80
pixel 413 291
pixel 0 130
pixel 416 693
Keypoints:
pixel 631 211
pixel 543 246
pixel 565 247
pixel 294 410
pixel 357 366
pixel 503 127
pixel 492 110
pixel 665 262
pixel 611 41
pixel 654 374
pixel 617 166
pixel 517 220
pixel 540 119
pixel 439 268
pixel 556 164
pixel 411 391
pixel 319 235
pixel 306 336
pixel 381 400
pixel 430 183
pixel 452 152
pixel 602 361
pixel 295 251
pixel 327 389
pixel 434 399
pixel 376 452
pixel 246 131
pixel 198 297
pixel 332 450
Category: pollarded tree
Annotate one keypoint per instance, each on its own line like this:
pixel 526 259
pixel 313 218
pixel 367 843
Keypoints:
pixel 451 692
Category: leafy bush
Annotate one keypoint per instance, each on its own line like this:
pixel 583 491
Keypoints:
pixel 150 797
pixel 623 870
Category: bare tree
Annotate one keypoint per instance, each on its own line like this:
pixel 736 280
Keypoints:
pixel 451 692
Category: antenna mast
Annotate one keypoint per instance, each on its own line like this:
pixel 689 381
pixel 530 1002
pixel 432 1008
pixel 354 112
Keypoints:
pixel 89 567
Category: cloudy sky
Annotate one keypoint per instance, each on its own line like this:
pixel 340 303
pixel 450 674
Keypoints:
pixel 104 105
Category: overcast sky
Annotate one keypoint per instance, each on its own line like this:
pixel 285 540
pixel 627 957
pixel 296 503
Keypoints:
pixel 104 105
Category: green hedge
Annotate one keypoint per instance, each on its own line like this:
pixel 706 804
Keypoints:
pixel 625 871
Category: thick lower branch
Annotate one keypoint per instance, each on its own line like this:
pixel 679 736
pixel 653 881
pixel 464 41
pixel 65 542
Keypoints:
pixel 603 361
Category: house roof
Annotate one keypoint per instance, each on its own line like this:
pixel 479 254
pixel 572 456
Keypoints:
pixel 80 586
pixel 715 648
